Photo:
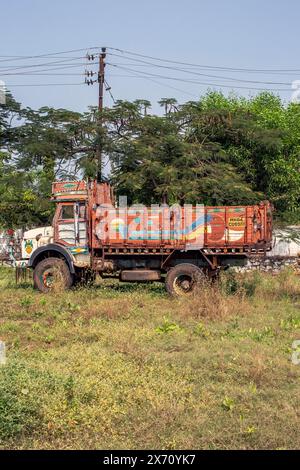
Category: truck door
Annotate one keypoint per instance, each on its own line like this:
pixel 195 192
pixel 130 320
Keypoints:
pixel 70 224
pixel 80 224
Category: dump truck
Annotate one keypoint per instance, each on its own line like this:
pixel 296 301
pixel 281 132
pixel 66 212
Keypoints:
pixel 179 245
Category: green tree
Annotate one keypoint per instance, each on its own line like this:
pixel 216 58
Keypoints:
pixel 173 158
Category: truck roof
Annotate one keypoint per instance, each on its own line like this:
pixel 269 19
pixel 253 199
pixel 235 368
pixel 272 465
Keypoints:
pixel 83 190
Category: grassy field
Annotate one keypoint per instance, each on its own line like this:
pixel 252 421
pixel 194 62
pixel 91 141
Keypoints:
pixel 124 366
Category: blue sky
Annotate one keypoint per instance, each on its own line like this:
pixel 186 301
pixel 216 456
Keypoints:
pixel 230 33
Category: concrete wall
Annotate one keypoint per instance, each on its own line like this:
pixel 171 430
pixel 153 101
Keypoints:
pixel 285 253
pixel 271 264
pixel 286 242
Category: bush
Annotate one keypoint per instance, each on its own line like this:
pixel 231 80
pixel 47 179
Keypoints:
pixel 251 283
pixel 229 283
pixel 233 283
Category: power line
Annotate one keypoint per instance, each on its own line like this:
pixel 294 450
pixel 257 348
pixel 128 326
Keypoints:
pixel 172 87
pixel 42 84
pixel 63 62
pixel 46 55
pixel 9 58
pixel 190 68
pixel 60 68
pixel 134 64
pixel 39 74
pixel 147 74
pixel 240 69
pixel 67 67
pixel 209 75
pixel 193 95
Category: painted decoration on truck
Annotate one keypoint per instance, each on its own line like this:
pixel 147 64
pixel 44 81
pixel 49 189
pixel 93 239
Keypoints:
pixel 28 246
pixel 154 225
pixel 227 225
pixel 190 226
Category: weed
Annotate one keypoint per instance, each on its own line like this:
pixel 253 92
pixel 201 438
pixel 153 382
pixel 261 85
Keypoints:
pixel 228 404
pixel 259 336
pixel 290 323
pixel 69 389
pixel 201 330
pixel 26 302
pixel 167 326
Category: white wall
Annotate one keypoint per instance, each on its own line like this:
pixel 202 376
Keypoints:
pixel 286 242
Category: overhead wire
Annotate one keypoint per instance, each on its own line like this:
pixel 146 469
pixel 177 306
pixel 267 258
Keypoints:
pixel 239 69
pixel 136 60
pixel 194 81
pixel 41 84
pixel 132 75
pixel 208 75
pixel 46 55
pixel 63 62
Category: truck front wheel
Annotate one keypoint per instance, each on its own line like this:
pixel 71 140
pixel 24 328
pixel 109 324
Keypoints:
pixel 52 274
pixel 183 279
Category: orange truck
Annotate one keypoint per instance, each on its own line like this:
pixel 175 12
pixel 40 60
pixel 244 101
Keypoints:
pixel 179 245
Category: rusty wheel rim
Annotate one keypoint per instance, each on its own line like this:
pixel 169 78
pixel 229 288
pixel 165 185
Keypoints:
pixel 183 284
pixel 51 277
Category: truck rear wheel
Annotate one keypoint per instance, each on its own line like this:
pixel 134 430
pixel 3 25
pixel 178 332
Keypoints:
pixel 183 279
pixel 52 274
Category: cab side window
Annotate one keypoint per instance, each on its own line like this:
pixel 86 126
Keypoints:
pixel 67 212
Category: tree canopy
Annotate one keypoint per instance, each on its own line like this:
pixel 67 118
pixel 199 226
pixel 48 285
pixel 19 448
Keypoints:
pixel 217 150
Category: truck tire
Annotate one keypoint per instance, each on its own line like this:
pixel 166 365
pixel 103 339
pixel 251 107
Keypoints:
pixel 183 279
pixel 52 274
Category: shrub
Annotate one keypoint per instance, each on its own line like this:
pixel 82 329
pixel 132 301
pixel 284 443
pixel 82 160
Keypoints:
pixel 233 283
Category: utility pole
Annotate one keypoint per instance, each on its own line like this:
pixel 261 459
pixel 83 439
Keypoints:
pixel 101 78
pixel 100 109
pixel 101 82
